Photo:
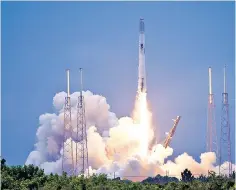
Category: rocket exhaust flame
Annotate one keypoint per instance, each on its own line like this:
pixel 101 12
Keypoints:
pixel 144 122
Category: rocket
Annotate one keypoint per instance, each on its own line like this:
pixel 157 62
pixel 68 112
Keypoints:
pixel 141 66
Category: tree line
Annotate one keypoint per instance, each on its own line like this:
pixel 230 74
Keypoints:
pixel 30 177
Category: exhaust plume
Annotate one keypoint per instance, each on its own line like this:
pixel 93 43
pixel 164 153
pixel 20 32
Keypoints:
pixel 119 145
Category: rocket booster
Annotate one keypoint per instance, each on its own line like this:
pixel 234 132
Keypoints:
pixel 141 67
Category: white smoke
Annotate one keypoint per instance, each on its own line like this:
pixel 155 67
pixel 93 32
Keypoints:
pixel 113 144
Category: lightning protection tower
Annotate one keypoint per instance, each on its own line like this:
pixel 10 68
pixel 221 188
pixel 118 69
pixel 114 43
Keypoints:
pixel 81 144
pixel 225 144
pixel 211 145
pixel 67 158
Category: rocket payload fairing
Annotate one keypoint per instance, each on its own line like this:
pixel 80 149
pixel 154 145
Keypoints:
pixel 141 67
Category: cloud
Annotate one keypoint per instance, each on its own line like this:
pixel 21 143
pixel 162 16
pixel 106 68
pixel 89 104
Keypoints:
pixel 113 143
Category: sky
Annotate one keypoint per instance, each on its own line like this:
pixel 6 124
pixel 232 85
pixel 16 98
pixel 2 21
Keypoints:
pixel 40 40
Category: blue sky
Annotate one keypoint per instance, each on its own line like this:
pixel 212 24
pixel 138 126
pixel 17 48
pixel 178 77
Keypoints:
pixel 42 39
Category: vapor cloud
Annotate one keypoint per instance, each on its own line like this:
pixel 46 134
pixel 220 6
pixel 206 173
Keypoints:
pixel 113 143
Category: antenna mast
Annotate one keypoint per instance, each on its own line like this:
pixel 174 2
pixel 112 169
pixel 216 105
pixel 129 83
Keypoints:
pixel 67 158
pixel 211 145
pixel 81 144
pixel 225 143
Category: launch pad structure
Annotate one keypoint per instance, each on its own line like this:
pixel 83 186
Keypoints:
pixel 225 143
pixel 75 163
pixel 211 140
pixel 81 135
pixel 67 157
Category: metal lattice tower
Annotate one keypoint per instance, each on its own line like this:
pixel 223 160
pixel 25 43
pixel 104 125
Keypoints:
pixel 225 144
pixel 81 144
pixel 67 157
pixel 211 145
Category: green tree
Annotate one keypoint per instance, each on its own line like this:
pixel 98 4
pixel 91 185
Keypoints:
pixel 32 177
pixel 186 176
pixel 232 176
pixel 171 186
pixel 3 164
pixel 202 178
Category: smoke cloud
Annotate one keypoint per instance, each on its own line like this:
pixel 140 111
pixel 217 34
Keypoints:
pixel 113 144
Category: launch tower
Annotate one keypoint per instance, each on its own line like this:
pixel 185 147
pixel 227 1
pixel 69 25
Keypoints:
pixel 225 144
pixel 211 145
pixel 67 157
pixel 81 144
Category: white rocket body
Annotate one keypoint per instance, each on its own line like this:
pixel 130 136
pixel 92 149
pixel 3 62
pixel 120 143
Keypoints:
pixel 141 68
